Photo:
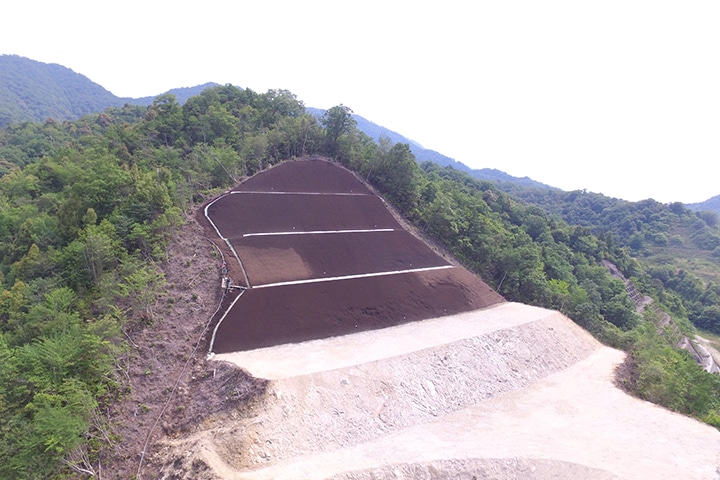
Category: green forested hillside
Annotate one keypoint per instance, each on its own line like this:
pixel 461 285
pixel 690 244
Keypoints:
pixel 711 204
pixel 678 248
pixel 88 207
pixel 34 91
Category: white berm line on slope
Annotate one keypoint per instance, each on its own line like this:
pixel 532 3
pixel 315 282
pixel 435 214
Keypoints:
pixel 348 277
pixel 341 194
pixel 317 232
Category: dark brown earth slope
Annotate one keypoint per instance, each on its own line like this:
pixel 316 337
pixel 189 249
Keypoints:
pixel 325 233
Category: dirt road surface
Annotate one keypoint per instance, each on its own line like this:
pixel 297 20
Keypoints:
pixel 525 394
pixel 572 424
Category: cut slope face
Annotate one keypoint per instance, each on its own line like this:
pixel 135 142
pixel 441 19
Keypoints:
pixel 319 255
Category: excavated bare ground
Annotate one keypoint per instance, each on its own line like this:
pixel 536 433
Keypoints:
pixel 162 373
pixel 297 313
pixel 526 394
pixel 504 392
pixel 288 258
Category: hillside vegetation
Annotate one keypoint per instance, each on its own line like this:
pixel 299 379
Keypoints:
pixel 32 91
pixel 89 206
pixel 711 204
pixel 678 248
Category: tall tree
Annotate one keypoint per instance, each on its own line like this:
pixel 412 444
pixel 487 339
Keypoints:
pixel 337 121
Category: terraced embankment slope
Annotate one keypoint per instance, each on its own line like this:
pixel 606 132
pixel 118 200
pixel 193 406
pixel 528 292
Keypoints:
pixel 319 255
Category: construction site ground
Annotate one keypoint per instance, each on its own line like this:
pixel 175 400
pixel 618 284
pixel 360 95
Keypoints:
pixel 525 394
pixel 492 390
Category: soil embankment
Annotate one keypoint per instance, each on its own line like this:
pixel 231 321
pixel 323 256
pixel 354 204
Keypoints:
pixel 528 394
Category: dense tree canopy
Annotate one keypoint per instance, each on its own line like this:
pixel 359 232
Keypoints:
pixel 671 240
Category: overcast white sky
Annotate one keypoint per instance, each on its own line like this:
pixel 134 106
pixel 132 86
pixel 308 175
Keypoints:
pixel 618 97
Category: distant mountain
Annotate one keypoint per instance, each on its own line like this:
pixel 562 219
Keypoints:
pixel 181 94
pixel 500 177
pixel 712 204
pixel 34 91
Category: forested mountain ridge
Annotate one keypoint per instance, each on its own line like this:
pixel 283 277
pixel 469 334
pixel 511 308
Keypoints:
pixel 712 204
pixel 36 91
pixel 679 247
pixel 32 91
pixel 89 206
